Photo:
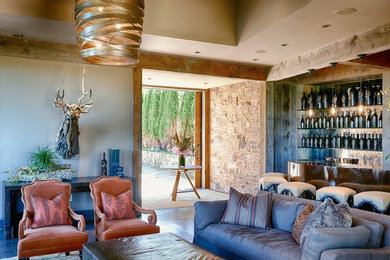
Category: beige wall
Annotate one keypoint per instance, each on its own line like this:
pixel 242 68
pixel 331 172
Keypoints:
pixel 28 118
pixel 238 136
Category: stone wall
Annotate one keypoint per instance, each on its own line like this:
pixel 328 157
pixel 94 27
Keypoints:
pixel 154 158
pixel 238 136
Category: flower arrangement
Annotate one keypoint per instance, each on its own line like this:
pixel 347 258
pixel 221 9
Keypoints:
pixel 183 143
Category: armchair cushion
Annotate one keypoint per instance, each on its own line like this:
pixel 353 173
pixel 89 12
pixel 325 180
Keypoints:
pixel 63 238
pixel 50 212
pixel 118 207
pixel 128 227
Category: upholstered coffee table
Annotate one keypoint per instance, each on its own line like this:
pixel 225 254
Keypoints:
pixel 155 246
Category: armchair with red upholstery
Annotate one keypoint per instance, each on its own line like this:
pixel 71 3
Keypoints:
pixel 46 226
pixel 119 221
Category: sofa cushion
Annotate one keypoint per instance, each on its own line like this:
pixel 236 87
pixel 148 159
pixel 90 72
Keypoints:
pixel 118 207
pixel 321 239
pixel 252 243
pixel 50 212
pixel 300 222
pixel 376 231
pixel 328 215
pixel 253 211
pixel 284 213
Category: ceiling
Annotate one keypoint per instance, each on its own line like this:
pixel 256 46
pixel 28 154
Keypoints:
pixel 239 31
pixel 184 80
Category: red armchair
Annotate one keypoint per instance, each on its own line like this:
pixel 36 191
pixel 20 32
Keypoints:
pixel 39 238
pixel 128 225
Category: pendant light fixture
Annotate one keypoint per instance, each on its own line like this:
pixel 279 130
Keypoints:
pixel 109 31
pixel 333 106
pixel 361 57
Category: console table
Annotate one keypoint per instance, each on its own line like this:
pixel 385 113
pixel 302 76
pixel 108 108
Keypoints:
pixel 13 197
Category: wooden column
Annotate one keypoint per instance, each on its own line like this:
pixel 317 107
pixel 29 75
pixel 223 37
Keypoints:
pixel 269 166
pixel 206 145
pixel 386 121
pixel 137 136
pixel 198 138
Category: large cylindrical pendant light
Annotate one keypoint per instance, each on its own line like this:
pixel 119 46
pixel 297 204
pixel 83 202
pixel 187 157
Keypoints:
pixel 109 31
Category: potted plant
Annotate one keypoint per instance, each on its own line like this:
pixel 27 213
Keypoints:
pixel 43 164
pixel 183 142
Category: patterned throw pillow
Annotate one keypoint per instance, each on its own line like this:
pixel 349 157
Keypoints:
pixel 118 207
pixel 328 215
pixel 50 212
pixel 247 210
pixel 300 222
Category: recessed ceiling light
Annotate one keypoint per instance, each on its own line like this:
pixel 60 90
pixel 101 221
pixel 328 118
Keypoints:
pixel 149 78
pixel 345 11
pixel 284 44
pixel 326 26
pixel 260 51
pixel 197 52
pixel 255 59
pixel 205 83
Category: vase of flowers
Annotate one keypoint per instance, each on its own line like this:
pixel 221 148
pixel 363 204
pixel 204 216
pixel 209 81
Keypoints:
pixel 183 142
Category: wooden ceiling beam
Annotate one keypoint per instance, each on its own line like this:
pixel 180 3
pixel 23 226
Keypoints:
pixel 373 41
pixel 70 53
pixel 380 60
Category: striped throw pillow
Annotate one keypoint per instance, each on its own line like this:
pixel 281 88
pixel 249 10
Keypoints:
pixel 247 210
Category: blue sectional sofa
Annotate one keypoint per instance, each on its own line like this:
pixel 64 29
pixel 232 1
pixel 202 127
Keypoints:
pixel 242 242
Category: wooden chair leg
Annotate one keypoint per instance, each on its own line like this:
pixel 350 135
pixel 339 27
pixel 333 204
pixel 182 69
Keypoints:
pixel 67 253
pixel 81 254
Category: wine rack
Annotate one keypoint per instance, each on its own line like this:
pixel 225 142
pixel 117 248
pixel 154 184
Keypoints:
pixel 344 118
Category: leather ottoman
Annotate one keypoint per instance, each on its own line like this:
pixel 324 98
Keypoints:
pixel 154 246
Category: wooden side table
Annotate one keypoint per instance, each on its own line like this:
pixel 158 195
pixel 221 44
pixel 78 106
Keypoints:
pixel 179 170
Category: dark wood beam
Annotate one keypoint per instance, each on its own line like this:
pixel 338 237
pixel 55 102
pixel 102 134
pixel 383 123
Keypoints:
pixel 380 60
pixel 137 136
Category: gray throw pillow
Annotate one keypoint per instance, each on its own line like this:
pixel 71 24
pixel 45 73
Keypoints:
pixel 376 231
pixel 328 215
pixel 321 239
pixel 252 211
pixel 284 213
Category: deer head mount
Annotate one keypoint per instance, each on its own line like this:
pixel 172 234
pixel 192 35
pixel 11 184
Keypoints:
pixel 67 141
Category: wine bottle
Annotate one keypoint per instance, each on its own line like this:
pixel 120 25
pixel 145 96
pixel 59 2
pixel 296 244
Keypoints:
pixel 337 120
pixel 361 96
pixel 375 143
pixel 361 142
pixel 344 98
pixel 103 166
pixel 352 96
pixel 362 120
pixel 356 121
pixel 304 101
pixel 353 142
pixel 319 121
pixel 325 99
pixel 319 99
pixel 346 141
pixel 368 95
pixel 338 141
pixel 346 120
pixel 334 141
pixel 368 142
pixel 309 141
pixel 342 119
pixel 302 123
pixel 327 119
pixel 320 142
pixel 303 140
pixel 374 120
pixel 374 93
pixel 368 119
pixel 380 147
pixel 310 99
pixel 352 120
pixel 326 141
pixel 316 122
pixel 380 120
pixel 379 92
pixel 313 121
pixel 335 100
pixel 315 141
pixel 308 123
pixel 332 121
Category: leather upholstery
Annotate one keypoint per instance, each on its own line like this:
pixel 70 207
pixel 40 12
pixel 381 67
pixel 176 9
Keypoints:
pixel 109 229
pixel 53 239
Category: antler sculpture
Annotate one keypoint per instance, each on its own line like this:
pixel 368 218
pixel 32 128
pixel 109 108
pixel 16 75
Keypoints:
pixel 67 141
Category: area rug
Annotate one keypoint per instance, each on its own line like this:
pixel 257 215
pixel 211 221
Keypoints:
pixel 183 200
pixel 72 256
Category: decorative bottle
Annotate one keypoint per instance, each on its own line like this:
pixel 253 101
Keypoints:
pixel 361 95
pixel 304 102
pixel 342 120
pixel 374 120
pixel 352 96
pixel 346 120
pixel 368 119
pixel 308 123
pixel 303 140
pixel 380 147
pixel 379 93
pixel 344 99
pixel 103 166
pixel 375 142
pixel 368 95
pixel 362 120
pixel 353 142
pixel 302 123
pixel 380 120
pixel 368 142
